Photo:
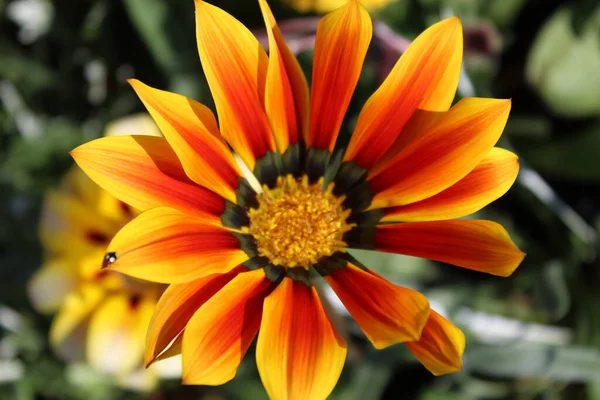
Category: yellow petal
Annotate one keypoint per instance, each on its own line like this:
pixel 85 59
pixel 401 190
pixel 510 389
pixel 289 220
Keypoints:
pixel 116 332
pixel 51 284
pixel 76 308
pixel 137 124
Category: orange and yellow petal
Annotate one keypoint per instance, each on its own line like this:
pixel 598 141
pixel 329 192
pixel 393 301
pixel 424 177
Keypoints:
pixel 299 353
pixel 144 172
pixel 479 245
pixel 487 182
pixel 115 342
pixel 286 90
pixel 217 337
pixel 235 66
pixel 425 78
pixel 192 131
pixel 167 246
pixel 343 38
pixel 441 346
pixel 385 312
pixel 175 308
pixel 443 154
pixel 51 284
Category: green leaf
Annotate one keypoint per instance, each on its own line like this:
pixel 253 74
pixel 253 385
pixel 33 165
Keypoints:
pixel 563 65
pixel 560 364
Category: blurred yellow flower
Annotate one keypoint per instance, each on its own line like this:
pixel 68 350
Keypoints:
pixel 324 6
pixel 102 316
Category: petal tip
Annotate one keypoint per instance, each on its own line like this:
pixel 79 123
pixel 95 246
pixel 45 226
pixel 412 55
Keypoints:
pixel 134 82
pixel 518 259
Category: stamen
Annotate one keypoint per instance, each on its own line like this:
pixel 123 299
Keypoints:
pixel 296 224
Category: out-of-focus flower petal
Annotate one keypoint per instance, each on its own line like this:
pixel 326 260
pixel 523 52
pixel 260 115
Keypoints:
pixel 115 342
pixel 51 284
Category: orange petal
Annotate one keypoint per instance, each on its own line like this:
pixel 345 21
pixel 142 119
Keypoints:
pixel 299 353
pixel 443 154
pixel 343 38
pixel 474 244
pixel 425 78
pixel 486 183
pixel 286 90
pixel 441 346
pixel 115 342
pixel 235 66
pixel 192 131
pixel 175 308
pixel 386 313
pixel 217 337
pixel 144 172
pixel 164 245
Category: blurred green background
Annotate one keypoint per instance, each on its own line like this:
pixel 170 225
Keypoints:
pixel 536 335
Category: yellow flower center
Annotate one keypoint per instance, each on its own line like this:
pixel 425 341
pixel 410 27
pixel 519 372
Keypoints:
pixel 296 224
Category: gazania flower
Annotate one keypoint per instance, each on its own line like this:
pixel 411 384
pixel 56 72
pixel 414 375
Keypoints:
pixel 323 6
pixel 102 316
pixel 240 262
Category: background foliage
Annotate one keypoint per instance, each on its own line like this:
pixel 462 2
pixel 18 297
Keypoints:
pixel 63 66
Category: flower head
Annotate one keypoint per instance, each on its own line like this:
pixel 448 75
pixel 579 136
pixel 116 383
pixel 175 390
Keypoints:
pixel 102 316
pixel 239 257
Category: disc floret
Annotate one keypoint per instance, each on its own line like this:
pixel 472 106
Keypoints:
pixel 297 223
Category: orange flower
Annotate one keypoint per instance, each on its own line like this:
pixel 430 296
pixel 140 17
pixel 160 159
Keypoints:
pixel 239 262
